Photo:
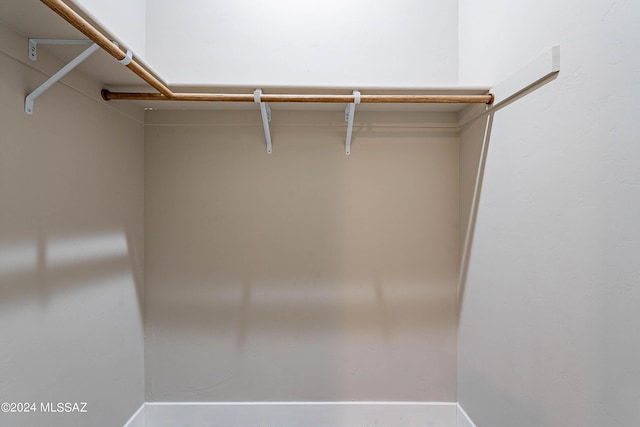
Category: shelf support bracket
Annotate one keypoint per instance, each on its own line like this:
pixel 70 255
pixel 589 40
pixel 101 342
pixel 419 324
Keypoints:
pixel 265 111
pixel 29 100
pixel 349 114
pixel 33 45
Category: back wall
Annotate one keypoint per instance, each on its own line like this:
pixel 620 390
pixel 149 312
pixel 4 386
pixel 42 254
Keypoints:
pixel 328 43
pixel 305 275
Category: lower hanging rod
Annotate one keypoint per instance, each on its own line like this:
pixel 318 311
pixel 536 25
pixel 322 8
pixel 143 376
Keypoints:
pixel 364 99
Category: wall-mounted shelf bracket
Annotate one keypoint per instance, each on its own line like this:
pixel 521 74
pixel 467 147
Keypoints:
pixel 33 45
pixel 349 114
pixel 29 100
pixel 265 111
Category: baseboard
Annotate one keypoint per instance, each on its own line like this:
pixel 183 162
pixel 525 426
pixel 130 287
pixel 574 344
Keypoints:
pixel 138 418
pixel 295 414
pixel 463 419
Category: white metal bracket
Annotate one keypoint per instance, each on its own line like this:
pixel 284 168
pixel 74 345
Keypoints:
pixel 349 114
pixel 29 100
pixel 33 45
pixel 265 111
pixel 128 57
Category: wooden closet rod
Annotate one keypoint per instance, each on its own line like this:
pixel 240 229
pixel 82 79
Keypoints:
pixel 344 99
pixel 166 94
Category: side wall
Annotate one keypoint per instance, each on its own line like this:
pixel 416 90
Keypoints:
pixel 304 275
pixel 71 247
pixel 548 325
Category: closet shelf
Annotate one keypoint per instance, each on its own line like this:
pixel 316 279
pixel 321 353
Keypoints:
pixel 532 76
pixel 166 94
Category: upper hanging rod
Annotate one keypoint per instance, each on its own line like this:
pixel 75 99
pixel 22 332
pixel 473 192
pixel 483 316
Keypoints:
pixel 166 94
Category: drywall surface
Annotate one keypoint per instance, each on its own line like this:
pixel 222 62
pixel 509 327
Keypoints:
pixel 331 43
pixel 123 19
pixel 548 325
pixel 71 249
pixel 304 275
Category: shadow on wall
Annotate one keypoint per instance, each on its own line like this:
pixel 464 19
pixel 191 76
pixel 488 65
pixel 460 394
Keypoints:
pixel 70 322
pixel 479 133
pixel 476 137
pixel 39 267
pixel 491 394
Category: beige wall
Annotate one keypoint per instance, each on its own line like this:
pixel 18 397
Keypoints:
pixel 71 247
pixel 305 275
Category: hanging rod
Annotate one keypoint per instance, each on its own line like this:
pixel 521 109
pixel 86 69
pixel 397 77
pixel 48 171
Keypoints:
pixel 344 99
pixel 166 94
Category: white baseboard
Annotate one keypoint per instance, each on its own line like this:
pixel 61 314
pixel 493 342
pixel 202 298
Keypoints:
pixel 295 414
pixel 463 418
pixel 138 418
